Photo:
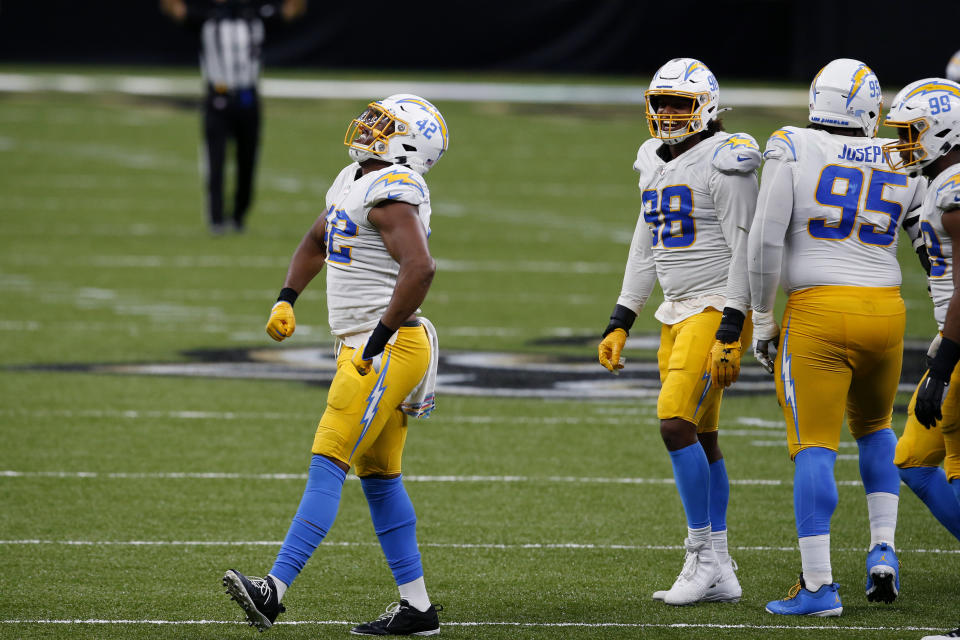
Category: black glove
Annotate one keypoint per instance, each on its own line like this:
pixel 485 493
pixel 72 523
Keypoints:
pixel 929 398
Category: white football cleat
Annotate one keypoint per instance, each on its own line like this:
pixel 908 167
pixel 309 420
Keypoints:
pixel 701 570
pixel 726 589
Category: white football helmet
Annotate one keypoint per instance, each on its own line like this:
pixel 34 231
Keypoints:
pixel 691 81
pixel 953 67
pixel 846 93
pixel 400 129
pixel 926 115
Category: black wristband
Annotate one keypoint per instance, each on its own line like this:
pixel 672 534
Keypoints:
pixel 288 295
pixel 946 359
pixel 378 341
pixel 924 257
pixel 731 324
pixel 621 318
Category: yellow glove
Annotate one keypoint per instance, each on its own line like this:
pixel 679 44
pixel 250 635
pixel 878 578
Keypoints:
pixel 610 348
pixel 281 323
pixel 725 363
pixel 364 366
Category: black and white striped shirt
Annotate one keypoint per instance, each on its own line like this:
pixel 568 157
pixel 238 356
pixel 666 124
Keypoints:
pixel 231 38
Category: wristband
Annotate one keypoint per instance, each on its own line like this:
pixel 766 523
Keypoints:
pixel 288 295
pixel 621 318
pixel 731 324
pixel 946 359
pixel 377 341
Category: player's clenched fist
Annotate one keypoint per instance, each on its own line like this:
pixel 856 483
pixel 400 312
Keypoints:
pixel 725 363
pixel 282 322
pixel 610 348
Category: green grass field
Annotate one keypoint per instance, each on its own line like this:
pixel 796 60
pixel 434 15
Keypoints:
pixel 124 498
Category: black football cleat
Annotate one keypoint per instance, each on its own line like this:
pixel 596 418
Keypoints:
pixel 400 619
pixel 256 596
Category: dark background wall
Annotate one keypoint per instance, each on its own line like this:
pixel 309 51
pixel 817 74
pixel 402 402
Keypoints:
pixel 742 39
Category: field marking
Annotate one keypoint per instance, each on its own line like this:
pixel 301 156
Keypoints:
pixel 546 546
pixel 137 414
pixel 275 262
pixel 495 623
pixel 216 475
pixel 362 89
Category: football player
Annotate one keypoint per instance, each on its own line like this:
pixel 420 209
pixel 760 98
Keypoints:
pixel 698 186
pixel 953 67
pixel 373 239
pixel 828 217
pixel 926 115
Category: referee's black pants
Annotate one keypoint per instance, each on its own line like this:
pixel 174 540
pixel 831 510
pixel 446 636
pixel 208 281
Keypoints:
pixel 230 115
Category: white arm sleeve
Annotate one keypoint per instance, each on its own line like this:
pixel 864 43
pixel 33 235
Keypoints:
pixel 765 253
pixel 735 197
pixel 641 271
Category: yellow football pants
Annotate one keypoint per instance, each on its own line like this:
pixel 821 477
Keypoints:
pixel 922 447
pixel 841 349
pixel 685 389
pixel 363 425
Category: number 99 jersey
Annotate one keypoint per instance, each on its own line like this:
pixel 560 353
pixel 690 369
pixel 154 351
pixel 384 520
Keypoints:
pixel 847 209
pixel 361 273
pixel 942 195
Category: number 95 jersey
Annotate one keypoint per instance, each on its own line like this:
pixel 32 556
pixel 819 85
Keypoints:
pixel 361 273
pixel 847 209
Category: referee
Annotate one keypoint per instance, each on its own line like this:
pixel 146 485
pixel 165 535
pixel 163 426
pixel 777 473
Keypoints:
pixel 231 36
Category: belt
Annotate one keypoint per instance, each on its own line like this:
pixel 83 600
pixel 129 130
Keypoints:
pixel 411 323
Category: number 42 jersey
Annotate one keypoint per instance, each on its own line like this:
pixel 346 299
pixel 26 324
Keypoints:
pixel 361 273
pixel 847 209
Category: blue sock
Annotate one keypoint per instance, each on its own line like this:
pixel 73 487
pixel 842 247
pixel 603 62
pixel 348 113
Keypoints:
pixel 955 483
pixel 930 485
pixel 814 491
pixel 396 525
pixel 318 509
pixel 719 495
pixel 876 462
pixel 691 471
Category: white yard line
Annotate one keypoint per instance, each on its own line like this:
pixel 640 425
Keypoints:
pixel 10 473
pixel 492 623
pixel 517 92
pixel 546 546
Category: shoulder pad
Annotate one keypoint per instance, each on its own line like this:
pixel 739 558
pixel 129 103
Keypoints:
pixel 738 152
pixel 782 145
pixel 948 193
pixel 647 159
pixel 397 183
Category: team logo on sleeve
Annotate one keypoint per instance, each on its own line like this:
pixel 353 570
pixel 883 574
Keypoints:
pixel 396 177
pixel 952 183
pixel 785 137
pixel 737 142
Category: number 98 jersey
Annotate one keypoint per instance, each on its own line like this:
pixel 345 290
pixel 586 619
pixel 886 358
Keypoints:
pixel 697 212
pixel 847 209
pixel 361 273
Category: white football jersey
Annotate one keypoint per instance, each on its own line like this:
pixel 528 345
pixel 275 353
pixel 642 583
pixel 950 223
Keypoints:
pixel 942 195
pixel 361 274
pixel 847 209
pixel 697 212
